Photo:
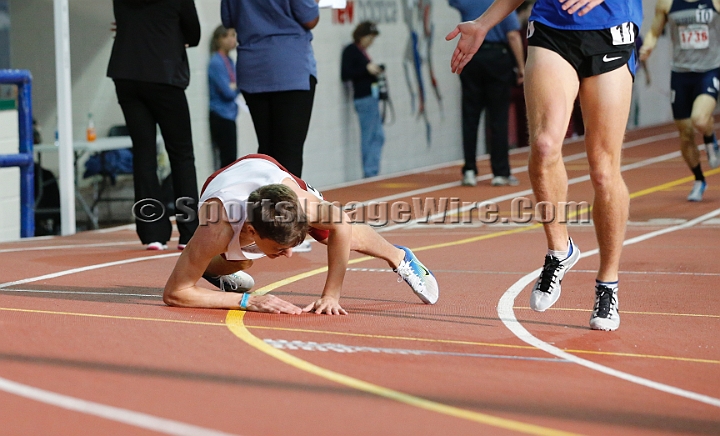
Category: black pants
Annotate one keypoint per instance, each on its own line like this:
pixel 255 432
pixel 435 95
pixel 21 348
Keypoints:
pixel 223 133
pixel 486 84
pixel 146 105
pixel 281 121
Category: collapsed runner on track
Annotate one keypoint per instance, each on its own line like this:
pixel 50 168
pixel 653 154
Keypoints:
pixel 255 208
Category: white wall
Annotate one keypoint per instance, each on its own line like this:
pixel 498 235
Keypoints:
pixel 9 178
pixel 332 153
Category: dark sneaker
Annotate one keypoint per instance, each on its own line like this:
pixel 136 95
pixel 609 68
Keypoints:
pixel 236 282
pixel 546 291
pixel 420 279
pixel 606 314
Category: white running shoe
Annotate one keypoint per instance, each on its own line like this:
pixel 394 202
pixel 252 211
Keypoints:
pixel 303 247
pixel 698 189
pixel 547 289
pixel 605 314
pixel 420 279
pixel 469 178
pixel 156 246
pixel 236 282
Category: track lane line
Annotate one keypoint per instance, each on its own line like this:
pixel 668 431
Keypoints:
pixel 507 316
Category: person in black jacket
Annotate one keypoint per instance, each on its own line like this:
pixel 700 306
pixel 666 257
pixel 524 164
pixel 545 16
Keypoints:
pixel 150 69
pixel 357 67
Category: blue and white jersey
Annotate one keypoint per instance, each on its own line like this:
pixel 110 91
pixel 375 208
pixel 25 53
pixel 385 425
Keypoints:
pixel 606 15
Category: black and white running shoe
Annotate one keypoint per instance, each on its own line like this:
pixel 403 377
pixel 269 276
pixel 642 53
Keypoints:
pixel 605 314
pixel 546 291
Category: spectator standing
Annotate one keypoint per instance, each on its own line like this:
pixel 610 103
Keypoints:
pixel 222 85
pixel 150 69
pixel 694 78
pixel 487 83
pixel 276 71
pixel 358 68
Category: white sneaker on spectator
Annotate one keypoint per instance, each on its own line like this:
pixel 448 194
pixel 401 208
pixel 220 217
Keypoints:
pixel 156 246
pixel 469 178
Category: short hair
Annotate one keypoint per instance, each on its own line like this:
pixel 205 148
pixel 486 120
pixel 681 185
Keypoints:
pixel 275 213
pixel 364 29
pixel 220 32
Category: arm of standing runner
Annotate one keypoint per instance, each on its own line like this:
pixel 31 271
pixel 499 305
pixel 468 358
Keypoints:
pixel 326 216
pixel 516 46
pixel 472 33
pixel 211 239
pixel 662 7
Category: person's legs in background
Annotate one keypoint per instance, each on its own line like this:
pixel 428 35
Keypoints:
pixel 259 105
pixel 142 128
pixel 224 136
pixel 170 109
pixel 372 136
pixel 472 106
pixel 281 121
pixel 290 120
pixel 499 80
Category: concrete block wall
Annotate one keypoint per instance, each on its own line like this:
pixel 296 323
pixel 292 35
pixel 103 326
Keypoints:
pixel 332 153
pixel 9 178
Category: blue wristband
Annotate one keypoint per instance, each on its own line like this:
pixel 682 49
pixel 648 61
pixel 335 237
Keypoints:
pixel 244 300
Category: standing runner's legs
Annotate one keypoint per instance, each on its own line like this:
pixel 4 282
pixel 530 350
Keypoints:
pixel 551 85
pixel 605 100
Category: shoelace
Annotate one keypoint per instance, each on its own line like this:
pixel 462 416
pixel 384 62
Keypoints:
pixel 228 280
pixel 549 273
pixel 405 272
pixel 605 301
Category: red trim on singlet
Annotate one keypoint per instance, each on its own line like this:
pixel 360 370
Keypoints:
pixel 317 234
pixel 299 181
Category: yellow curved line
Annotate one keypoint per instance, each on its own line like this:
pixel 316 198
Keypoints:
pixel 235 323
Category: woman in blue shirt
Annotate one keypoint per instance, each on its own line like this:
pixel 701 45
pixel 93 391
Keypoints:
pixel 276 71
pixel 223 89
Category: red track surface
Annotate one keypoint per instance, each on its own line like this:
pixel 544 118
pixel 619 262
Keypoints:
pixel 104 336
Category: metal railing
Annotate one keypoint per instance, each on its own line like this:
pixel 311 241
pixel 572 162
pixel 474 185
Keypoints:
pixel 24 157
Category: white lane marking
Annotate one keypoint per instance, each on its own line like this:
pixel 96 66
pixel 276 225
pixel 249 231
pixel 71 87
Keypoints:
pixel 118 414
pixel 510 196
pixel 115 294
pixel 570 158
pixel 62 247
pixel 283 344
pixel 125 416
pixel 86 268
pixel 507 316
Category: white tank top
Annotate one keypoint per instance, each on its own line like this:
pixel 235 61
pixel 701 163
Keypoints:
pixel 232 186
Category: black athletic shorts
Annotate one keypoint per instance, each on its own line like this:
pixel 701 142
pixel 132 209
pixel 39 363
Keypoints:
pixel 590 52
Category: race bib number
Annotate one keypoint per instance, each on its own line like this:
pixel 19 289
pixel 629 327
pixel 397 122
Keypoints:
pixel 623 34
pixel 694 36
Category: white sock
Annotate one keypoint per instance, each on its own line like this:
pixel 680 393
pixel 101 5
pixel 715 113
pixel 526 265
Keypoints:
pixel 612 285
pixel 562 255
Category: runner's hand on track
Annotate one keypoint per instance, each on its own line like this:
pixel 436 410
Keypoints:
pixel 328 305
pixel 271 304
